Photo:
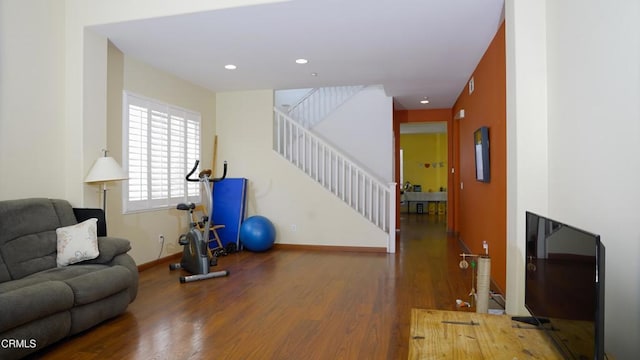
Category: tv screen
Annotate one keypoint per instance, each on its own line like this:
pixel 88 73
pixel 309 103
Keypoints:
pixel 564 285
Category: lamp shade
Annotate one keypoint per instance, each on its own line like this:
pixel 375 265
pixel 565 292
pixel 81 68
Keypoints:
pixel 105 169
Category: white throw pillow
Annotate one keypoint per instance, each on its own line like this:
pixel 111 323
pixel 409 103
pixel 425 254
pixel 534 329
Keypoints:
pixel 77 242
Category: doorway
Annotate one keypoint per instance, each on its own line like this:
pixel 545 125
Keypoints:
pixel 423 168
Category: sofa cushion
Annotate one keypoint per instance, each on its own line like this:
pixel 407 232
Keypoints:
pixel 58 289
pixel 86 316
pixel 30 216
pixel 97 285
pixel 77 242
pixel 27 235
pixel 30 254
pixel 88 282
pixel 28 301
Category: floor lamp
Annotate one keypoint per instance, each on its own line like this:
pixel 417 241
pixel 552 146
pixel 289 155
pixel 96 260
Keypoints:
pixel 104 170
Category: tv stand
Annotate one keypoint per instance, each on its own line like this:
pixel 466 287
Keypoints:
pixel 530 320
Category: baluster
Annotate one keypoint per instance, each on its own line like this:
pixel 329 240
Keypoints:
pixel 297 140
pixel 349 182
pixel 383 208
pixel 291 142
pixel 317 160
pixel 343 179
pixel 358 190
pixel 324 161
pixel 329 172
pixel 372 205
pixel 334 169
pixel 304 151
pixel 278 119
pixel 370 199
pixel 334 159
pixel 286 140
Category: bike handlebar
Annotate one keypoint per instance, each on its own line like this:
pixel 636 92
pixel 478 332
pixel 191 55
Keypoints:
pixel 205 173
pixel 192 171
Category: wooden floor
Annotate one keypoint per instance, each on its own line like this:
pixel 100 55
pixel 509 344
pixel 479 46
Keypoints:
pixel 286 304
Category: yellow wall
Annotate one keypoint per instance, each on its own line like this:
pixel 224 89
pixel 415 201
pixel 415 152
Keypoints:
pixel 425 160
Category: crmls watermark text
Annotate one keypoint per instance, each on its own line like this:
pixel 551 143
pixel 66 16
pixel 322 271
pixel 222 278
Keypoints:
pixel 18 343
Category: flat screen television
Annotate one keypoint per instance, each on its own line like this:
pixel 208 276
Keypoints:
pixel 564 285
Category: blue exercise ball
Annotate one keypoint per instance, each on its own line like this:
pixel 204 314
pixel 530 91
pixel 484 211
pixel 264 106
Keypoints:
pixel 257 233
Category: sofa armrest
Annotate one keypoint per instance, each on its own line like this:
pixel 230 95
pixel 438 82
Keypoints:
pixel 127 261
pixel 83 214
pixel 109 248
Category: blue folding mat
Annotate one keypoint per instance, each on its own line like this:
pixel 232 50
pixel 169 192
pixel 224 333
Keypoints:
pixel 229 204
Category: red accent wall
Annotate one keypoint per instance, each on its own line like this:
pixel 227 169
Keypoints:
pixel 482 207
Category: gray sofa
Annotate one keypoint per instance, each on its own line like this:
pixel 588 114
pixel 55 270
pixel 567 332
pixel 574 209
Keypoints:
pixel 41 303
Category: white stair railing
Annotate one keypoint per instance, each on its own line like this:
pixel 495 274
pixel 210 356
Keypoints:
pixel 319 102
pixel 341 176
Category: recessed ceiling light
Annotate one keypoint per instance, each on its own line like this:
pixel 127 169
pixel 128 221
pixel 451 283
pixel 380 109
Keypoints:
pixel 425 101
pixel 230 67
pixel 314 74
pixel 301 61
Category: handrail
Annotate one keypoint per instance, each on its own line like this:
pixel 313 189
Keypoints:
pixel 320 102
pixel 303 99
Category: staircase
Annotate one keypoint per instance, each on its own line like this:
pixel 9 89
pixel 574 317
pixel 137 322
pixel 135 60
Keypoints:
pixel 320 102
pixel 332 169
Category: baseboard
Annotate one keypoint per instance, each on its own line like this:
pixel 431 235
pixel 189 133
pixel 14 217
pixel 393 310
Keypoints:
pixel 176 256
pixel 330 248
pixel 145 266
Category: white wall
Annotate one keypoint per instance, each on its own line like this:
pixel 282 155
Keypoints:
pixel 32 74
pixel 594 138
pixel 94 129
pixel 593 117
pixel 278 190
pixel 527 173
pixel 362 128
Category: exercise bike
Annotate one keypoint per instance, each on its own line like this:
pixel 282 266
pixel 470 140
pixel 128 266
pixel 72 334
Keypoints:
pixel 196 254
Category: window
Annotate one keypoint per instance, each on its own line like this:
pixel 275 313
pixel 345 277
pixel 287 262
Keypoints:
pixel 161 144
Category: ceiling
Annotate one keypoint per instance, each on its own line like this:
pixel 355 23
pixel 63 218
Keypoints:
pixel 414 48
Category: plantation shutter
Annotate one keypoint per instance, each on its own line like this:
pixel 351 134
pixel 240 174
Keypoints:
pixel 162 143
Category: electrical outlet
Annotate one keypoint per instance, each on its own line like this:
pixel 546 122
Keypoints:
pixel 294 228
pixel 160 238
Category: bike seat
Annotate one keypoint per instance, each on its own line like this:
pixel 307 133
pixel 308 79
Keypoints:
pixel 186 206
